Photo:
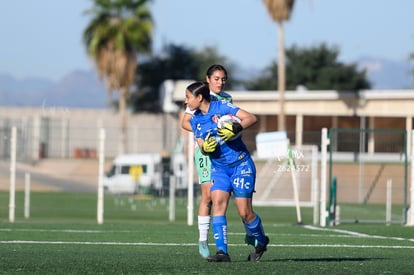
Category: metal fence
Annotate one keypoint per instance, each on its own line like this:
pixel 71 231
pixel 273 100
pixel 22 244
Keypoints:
pixel 60 152
pixel 65 137
pixel 370 169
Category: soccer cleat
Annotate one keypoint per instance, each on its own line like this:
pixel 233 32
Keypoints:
pixel 250 240
pixel 203 249
pixel 258 251
pixel 219 257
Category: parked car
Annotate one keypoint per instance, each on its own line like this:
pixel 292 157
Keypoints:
pixel 144 173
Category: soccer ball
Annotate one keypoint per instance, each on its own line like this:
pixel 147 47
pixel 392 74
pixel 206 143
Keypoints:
pixel 228 119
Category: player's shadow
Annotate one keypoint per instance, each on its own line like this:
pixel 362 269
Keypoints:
pixel 344 259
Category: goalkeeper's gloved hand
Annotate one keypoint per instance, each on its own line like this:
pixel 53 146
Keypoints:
pixel 229 130
pixel 209 145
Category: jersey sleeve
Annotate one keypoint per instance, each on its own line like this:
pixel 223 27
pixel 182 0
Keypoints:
pixel 229 108
pixel 192 124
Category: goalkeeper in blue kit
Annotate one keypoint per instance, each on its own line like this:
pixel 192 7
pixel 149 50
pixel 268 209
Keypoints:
pixel 216 78
pixel 232 168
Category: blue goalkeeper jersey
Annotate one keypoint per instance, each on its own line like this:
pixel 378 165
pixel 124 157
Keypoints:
pixel 214 97
pixel 227 153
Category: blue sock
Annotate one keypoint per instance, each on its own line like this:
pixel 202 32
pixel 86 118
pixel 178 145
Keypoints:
pixel 219 226
pixel 256 229
pixel 248 233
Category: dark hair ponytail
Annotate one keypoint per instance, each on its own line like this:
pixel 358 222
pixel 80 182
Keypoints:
pixel 197 88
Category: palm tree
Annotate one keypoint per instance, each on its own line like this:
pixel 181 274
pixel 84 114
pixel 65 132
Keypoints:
pixel 411 57
pixel 280 11
pixel 119 30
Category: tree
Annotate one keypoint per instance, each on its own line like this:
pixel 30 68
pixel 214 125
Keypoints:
pixel 319 68
pixel 176 63
pixel 280 11
pixel 315 68
pixel 119 30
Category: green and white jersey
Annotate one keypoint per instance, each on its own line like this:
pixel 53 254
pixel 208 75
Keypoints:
pixel 221 96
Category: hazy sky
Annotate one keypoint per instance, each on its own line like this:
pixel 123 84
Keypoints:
pixel 42 38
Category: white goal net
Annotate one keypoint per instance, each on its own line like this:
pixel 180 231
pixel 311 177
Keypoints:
pixel 276 177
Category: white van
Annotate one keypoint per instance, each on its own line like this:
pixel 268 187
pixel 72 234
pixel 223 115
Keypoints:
pixel 143 173
pixel 134 173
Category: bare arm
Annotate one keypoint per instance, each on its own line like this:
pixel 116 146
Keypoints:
pixel 185 123
pixel 247 119
pixel 200 143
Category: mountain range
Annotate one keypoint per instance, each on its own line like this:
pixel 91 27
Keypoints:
pixel 82 89
pixel 387 75
pixel 79 89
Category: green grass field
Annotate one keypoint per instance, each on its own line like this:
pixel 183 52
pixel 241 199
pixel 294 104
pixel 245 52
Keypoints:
pixel 62 237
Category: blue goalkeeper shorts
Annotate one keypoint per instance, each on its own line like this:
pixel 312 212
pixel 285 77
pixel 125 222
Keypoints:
pixel 238 179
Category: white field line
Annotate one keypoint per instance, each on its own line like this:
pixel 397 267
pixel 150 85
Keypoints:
pixel 341 233
pixel 132 231
pixel 357 234
pixel 63 230
pixel 193 244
